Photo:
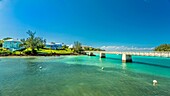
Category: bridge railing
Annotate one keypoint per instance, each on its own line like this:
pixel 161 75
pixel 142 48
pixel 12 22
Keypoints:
pixel 152 53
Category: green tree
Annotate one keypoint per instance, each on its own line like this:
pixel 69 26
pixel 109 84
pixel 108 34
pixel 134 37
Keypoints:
pixel 7 38
pixel 23 43
pixel 86 48
pixel 77 47
pixel 1 43
pixel 64 47
pixel 33 42
pixel 163 47
pixel 40 42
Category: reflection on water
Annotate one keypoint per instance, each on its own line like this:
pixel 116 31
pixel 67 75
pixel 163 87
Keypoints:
pixel 100 59
pixel 124 66
pixel 80 76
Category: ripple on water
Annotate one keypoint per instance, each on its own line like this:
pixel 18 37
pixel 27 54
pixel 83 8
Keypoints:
pixel 58 77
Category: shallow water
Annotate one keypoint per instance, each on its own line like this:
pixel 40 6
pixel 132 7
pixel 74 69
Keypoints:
pixel 83 76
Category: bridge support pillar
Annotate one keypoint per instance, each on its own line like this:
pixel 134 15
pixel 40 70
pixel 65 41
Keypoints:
pixel 102 55
pixel 90 54
pixel 126 58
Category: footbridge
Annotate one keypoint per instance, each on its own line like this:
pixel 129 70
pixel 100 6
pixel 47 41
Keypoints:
pixel 127 56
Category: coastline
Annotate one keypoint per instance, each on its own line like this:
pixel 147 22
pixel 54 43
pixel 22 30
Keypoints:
pixel 56 71
pixel 57 55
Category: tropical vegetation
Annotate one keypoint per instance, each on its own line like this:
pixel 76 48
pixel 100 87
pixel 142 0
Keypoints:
pixel 33 42
pixel 87 48
pixel 36 46
pixel 7 38
pixel 163 47
pixel 1 43
pixel 77 47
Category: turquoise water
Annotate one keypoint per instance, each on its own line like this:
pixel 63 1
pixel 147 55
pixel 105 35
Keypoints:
pixel 83 76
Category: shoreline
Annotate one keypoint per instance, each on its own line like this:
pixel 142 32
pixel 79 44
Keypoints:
pixel 35 56
pixel 58 55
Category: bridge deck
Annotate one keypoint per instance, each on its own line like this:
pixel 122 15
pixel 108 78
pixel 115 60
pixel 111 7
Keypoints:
pixel 157 54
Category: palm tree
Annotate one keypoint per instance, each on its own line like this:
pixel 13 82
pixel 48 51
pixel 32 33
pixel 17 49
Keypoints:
pixel 77 47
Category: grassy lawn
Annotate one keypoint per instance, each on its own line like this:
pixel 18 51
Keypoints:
pixel 49 51
pixel 4 51
pixel 39 52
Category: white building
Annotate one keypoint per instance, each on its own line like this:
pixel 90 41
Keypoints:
pixel 53 46
pixel 71 46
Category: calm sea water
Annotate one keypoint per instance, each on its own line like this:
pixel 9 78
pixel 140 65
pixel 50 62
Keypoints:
pixel 83 76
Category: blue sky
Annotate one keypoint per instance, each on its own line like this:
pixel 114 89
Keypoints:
pixel 142 23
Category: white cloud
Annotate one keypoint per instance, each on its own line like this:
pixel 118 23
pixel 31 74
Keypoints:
pixel 125 48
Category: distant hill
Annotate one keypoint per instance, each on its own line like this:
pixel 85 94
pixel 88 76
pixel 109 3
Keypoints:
pixel 88 48
pixel 163 47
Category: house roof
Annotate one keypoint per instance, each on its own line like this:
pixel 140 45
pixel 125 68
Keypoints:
pixel 13 40
pixel 53 43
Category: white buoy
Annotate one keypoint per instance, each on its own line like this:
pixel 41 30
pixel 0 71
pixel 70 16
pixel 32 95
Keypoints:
pixel 102 68
pixel 155 82
pixel 40 67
